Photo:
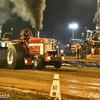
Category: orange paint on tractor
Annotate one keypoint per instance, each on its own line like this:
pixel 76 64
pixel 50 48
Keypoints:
pixel 91 42
pixel 28 61
pixel 34 50
pixel 90 56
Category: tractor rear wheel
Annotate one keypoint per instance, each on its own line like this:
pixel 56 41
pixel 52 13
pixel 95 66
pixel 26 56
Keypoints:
pixel 86 50
pixel 81 52
pixel 57 64
pixel 15 56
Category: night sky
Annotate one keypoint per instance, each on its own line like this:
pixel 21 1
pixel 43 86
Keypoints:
pixel 57 16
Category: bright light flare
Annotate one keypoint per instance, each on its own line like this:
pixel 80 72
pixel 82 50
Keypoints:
pixel 73 26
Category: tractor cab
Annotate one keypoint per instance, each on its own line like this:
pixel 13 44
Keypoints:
pixel 89 35
pixel 75 41
pixel 93 35
pixel 97 34
pixel 26 34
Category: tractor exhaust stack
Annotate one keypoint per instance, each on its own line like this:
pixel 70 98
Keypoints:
pixel 37 34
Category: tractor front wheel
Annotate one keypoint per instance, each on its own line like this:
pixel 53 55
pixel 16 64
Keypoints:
pixel 57 64
pixel 37 63
pixel 81 52
pixel 86 50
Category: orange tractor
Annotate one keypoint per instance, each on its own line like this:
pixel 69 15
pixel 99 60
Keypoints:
pixel 91 47
pixel 71 47
pixel 33 51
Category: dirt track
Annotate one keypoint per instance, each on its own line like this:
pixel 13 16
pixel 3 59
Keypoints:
pixel 75 83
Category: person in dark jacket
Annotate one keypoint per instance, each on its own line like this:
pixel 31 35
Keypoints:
pixel 96 37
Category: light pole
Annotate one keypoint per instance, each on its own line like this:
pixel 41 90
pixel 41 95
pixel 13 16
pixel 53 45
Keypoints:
pixel 73 26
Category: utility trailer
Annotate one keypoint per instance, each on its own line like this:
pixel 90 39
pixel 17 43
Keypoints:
pixel 32 51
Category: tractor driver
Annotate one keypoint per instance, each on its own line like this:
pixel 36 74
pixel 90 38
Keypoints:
pixel 26 35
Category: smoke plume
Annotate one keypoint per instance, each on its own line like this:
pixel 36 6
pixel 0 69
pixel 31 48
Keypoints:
pixel 21 10
pixel 30 10
pixel 5 11
pixel 36 7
